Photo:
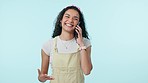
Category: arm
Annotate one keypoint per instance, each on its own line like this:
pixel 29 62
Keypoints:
pixel 45 62
pixel 42 77
pixel 86 64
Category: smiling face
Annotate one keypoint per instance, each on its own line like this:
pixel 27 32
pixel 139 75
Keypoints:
pixel 70 20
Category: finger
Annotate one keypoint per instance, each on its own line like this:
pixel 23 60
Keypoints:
pixel 80 30
pixel 39 72
pixel 49 78
pixel 79 27
pixel 43 76
pixel 77 31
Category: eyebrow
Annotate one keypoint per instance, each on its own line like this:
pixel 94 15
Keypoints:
pixel 74 16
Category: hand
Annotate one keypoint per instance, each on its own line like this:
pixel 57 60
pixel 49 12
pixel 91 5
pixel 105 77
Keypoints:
pixel 44 77
pixel 80 37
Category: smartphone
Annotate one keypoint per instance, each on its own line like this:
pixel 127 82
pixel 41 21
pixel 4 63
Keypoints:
pixel 75 33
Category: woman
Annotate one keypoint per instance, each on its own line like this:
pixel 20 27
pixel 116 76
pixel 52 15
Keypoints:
pixel 68 51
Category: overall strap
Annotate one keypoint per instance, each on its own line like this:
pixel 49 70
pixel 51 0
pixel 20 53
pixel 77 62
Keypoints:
pixel 55 44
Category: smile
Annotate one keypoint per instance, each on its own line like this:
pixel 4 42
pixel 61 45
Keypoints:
pixel 69 25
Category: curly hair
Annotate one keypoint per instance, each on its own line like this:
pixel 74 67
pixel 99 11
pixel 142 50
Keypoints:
pixel 58 28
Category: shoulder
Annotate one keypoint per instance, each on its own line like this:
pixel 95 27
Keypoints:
pixel 50 41
pixel 47 46
pixel 85 39
pixel 86 42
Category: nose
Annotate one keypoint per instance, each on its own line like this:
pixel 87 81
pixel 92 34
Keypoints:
pixel 70 20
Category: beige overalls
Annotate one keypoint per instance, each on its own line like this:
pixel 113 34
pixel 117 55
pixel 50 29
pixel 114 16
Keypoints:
pixel 66 67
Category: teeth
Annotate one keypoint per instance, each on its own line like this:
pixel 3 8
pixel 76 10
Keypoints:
pixel 69 25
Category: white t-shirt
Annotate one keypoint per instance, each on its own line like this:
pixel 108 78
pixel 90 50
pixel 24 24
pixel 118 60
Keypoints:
pixel 63 46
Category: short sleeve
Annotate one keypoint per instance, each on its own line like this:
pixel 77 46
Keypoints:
pixel 47 47
pixel 87 42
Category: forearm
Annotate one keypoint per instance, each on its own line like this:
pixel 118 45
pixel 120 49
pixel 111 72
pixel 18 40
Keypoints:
pixel 86 61
pixel 45 63
pixel 44 68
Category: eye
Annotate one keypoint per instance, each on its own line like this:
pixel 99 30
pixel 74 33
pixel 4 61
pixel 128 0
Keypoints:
pixel 67 16
pixel 75 18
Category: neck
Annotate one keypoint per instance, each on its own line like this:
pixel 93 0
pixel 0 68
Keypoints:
pixel 66 36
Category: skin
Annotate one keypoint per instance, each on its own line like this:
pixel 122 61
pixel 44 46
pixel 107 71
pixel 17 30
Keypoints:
pixel 69 25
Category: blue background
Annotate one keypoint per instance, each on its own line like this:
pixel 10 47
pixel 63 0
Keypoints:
pixel 118 31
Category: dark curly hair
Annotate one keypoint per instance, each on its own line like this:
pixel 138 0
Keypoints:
pixel 58 28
